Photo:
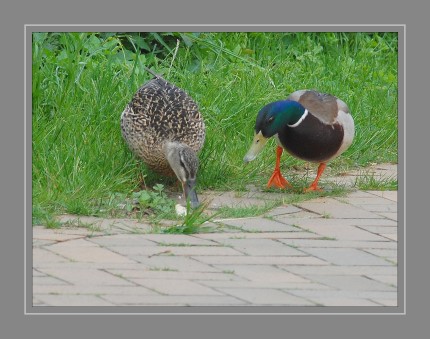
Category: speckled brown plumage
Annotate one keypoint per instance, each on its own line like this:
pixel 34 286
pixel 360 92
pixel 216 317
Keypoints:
pixel 160 112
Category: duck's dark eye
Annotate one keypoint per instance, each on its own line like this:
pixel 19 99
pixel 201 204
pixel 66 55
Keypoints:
pixel 270 119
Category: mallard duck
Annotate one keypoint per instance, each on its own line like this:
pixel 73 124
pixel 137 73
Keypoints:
pixel 162 125
pixel 312 126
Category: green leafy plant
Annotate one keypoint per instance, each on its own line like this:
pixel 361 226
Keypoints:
pixel 157 201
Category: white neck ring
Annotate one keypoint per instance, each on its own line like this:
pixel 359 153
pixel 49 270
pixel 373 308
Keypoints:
pixel 305 113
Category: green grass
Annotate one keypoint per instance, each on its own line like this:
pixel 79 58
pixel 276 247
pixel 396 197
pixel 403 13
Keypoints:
pixel 294 197
pixel 247 211
pixel 163 269
pixel 193 221
pixel 369 182
pixel 81 82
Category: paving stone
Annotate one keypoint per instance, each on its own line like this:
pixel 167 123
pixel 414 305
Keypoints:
pixel 266 296
pixel 258 224
pixel 148 274
pixel 93 289
pixel 336 228
pixel 391 195
pixel 306 270
pixel 389 215
pixel 41 255
pixel 37 243
pixel 346 256
pixel 384 278
pixel 303 222
pixel 263 284
pixel 361 194
pixel 368 201
pixel 125 225
pixel 391 260
pixel 326 301
pixel 75 265
pixel 385 302
pixel 63 233
pixel 368 245
pixel 228 229
pixel 354 294
pixel 384 253
pixel 85 276
pixel 371 222
pixel 163 300
pixel 380 229
pixel 178 239
pixel 260 235
pixel 56 236
pixel 303 214
pixel 105 225
pixel 288 259
pixel 86 251
pixel 36 273
pixel 262 273
pixel 387 208
pixel 271 196
pixel 285 209
pixel 336 209
pixel 260 260
pixel 72 300
pixel 265 247
pixel 47 280
pixel 176 250
pixel 129 240
pixel 351 283
pixel 175 263
pixel 176 287
pixel 391 236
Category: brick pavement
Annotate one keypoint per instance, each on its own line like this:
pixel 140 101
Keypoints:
pixel 326 251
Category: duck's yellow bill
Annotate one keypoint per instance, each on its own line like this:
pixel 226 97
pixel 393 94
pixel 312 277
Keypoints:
pixel 256 147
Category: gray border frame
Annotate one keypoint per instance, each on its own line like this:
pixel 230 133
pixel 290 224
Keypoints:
pixel 256 310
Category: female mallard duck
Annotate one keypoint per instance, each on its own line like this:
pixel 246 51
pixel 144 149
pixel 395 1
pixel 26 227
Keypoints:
pixel 311 126
pixel 163 126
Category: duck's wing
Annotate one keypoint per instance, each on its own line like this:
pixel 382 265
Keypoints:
pixel 323 106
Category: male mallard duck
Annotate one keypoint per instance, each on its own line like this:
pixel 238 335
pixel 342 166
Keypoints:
pixel 311 126
pixel 163 126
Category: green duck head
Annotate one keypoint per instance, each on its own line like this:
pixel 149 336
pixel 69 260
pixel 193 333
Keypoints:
pixel 271 119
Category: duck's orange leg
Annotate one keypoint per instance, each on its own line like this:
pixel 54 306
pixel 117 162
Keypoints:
pixel 277 179
pixel 314 185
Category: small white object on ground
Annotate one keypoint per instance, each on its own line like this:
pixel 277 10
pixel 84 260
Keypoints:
pixel 180 210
